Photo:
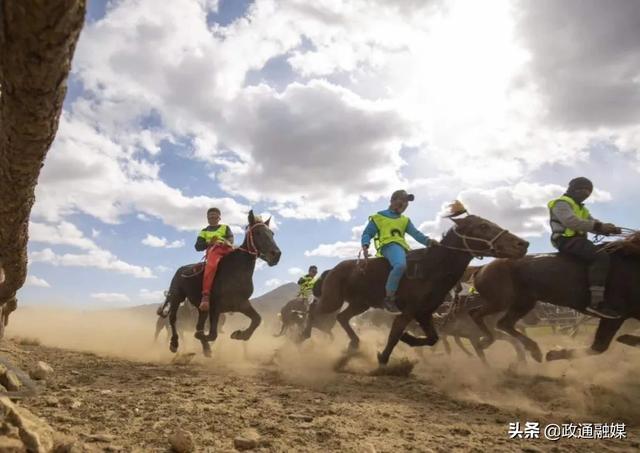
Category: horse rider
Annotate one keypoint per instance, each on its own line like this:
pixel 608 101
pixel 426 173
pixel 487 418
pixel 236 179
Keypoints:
pixel 217 239
pixel 570 222
pixel 387 228
pixel 306 282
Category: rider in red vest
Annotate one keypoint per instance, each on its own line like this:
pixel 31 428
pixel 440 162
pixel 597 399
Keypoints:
pixel 217 240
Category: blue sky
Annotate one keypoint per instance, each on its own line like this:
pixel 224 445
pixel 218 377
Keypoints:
pixel 314 114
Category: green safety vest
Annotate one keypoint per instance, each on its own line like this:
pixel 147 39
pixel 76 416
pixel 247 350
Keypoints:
pixel 306 286
pixel 580 211
pixel 218 235
pixel 389 231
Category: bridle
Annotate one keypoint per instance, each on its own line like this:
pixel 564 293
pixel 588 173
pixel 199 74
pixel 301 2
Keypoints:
pixel 251 245
pixel 475 253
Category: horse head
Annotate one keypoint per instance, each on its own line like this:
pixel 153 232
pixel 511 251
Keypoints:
pixel 481 237
pixel 259 240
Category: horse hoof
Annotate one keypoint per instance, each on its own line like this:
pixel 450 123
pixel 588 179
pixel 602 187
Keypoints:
pixel 558 354
pixel 431 341
pixel 173 348
pixel 239 335
pixel 485 342
pixel 353 346
pixel 199 335
pixel 537 355
pixel 382 360
pixel 211 337
pixel 207 353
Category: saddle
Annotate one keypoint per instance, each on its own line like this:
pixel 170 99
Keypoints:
pixel 192 270
pixel 416 264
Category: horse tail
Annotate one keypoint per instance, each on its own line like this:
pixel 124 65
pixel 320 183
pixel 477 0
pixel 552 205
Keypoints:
pixel 283 328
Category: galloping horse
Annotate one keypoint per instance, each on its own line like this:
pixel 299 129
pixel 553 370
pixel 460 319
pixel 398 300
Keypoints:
pixel 516 285
pixel 232 286
pixel 362 287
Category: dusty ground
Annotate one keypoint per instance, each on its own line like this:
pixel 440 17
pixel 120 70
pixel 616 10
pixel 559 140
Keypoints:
pixel 113 387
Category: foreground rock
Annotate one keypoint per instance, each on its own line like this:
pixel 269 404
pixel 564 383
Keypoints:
pixel 41 371
pixel 247 440
pixel 182 441
pixel 34 434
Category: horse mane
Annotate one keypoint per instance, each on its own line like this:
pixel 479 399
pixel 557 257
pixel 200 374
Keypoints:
pixel 629 245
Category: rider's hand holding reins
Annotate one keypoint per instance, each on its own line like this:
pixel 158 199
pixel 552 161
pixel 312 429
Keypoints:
pixel 609 228
pixel 365 252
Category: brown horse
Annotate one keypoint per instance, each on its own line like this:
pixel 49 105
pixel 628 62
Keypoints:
pixel 362 287
pixel 516 285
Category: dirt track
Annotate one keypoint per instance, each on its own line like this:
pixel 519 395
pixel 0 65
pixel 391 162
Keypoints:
pixel 296 402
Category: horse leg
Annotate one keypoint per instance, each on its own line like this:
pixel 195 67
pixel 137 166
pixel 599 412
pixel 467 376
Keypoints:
pixel 520 352
pixel 477 314
pixel 445 343
pixel 460 344
pixel 475 342
pixel 202 318
pixel 173 316
pixel 507 325
pixel 605 333
pixel 425 320
pixel 250 312
pixel 214 319
pixel 400 323
pixel 160 323
pixel 345 316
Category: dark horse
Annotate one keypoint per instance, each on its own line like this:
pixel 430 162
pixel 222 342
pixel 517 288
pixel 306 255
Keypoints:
pixel 296 311
pixel 232 286
pixel 441 267
pixel 516 285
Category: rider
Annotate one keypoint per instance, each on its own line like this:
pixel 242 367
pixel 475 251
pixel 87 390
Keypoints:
pixel 387 228
pixel 306 283
pixel 217 240
pixel 570 222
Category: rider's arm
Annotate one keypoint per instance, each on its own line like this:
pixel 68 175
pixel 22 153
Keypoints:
pixel 201 244
pixel 369 232
pixel 417 235
pixel 563 212
pixel 229 235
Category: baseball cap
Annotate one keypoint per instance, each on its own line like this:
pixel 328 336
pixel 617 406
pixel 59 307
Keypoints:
pixel 403 195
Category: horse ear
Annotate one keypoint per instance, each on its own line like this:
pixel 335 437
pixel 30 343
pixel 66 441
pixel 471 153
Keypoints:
pixel 252 218
pixel 268 220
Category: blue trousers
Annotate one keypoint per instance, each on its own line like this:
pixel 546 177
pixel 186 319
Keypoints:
pixel 397 257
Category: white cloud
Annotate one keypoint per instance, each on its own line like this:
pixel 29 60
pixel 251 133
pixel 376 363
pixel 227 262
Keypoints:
pixel 162 242
pixel 32 280
pixel 339 249
pixel 64 233
pixel 295 271
pixel 273 283
pixel 95 233
pixel 522 209
pixel 111 298
pixel 101 259
pixel 149 295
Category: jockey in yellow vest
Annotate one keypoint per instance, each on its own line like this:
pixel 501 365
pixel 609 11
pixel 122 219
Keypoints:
pixel 306 283
pixel 570 222
pixel 387 228
pixel 217 240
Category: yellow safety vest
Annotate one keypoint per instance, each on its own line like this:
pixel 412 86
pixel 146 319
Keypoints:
pixel 218 235
pixel 390 231
pixel 306 286
pixel 580 211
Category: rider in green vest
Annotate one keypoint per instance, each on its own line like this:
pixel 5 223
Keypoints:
pixel 387 228
pixel 570 222
pixel 217 239
pixel 306 283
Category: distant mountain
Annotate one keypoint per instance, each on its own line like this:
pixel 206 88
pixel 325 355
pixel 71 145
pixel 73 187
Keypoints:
pixel 275 299
pixel 270 302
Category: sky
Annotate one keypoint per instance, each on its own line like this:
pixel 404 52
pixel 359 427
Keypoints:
pixel 314 113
